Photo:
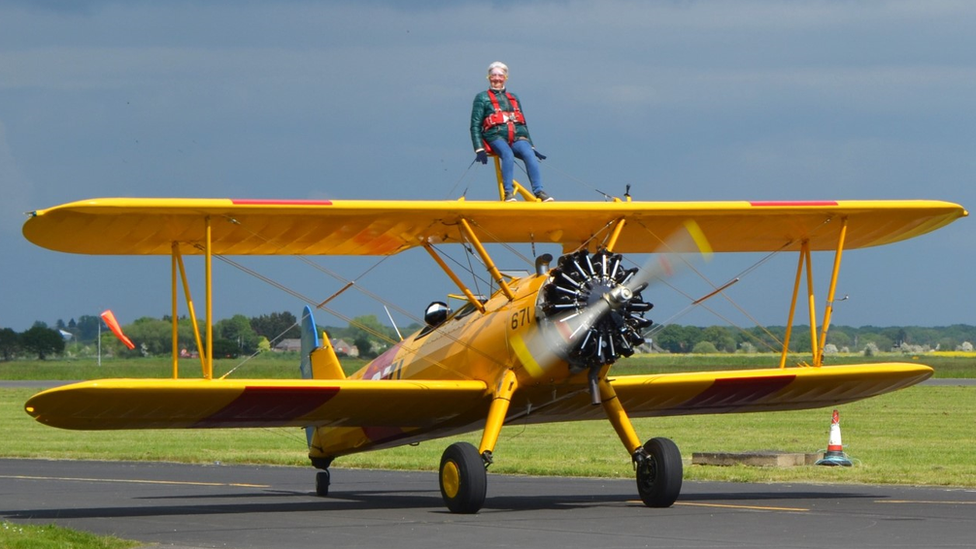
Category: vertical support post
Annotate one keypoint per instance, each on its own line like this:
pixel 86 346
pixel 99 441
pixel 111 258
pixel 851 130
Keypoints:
pixel 174 309
pixel 617 229
pixel 811 301
pixel 469 234
pixel 498 176
pixel 829 310
pixel 516 186
pixel 208 269
pixel 789 321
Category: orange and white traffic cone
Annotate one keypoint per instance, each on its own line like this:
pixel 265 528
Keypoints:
pixel 835 449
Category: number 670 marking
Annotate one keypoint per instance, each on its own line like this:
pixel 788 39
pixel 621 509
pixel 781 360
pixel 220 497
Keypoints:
pixel 521 317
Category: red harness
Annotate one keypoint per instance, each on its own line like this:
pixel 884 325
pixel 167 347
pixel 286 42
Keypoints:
pixel 499 117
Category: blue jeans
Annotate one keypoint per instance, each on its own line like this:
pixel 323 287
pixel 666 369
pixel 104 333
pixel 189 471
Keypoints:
pixel 507 153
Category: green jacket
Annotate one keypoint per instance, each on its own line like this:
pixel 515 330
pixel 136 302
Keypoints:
pixel 482 107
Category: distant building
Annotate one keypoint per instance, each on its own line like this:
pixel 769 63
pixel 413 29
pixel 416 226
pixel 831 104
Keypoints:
pixel 343 348
pixel 286 345
pixel 295 345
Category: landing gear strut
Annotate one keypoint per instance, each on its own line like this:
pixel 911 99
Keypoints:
pixel 463 478
pixel 659 472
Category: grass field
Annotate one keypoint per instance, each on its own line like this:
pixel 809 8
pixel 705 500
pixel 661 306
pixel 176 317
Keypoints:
pixel 49 536
pixel 922 435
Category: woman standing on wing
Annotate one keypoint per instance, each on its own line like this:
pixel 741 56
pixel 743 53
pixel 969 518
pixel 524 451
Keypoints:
pixel 498 127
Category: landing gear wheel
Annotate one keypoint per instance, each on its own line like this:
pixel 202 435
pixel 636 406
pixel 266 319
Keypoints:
pixel 463 479
pixel 322 481
pixel 659 473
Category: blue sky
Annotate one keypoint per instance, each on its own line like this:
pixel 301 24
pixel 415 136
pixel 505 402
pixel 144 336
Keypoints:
pixel 683 100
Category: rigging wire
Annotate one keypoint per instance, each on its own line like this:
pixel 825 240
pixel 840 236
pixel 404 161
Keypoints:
pixel 460 179
pixel 720 290
pixel 580 182
pixel 346 281
pixel 337 314
pixel 604 231
pixel 495 240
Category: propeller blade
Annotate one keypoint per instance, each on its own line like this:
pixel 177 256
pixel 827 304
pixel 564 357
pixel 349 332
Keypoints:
pixel 591 310
pixel 677 252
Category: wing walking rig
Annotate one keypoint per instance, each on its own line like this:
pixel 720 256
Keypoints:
pixel 538 350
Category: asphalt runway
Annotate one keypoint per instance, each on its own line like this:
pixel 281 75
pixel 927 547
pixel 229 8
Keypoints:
pixel 245 507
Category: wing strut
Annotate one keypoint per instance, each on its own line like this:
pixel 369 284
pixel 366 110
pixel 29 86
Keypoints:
pixel 817 343
pixel 829 309
pixel 178 265
pixel 450 273
pixel 618 228
pixel 469 234
pixel 208 272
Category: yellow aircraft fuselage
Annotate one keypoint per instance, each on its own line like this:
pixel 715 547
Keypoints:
pixel 469 345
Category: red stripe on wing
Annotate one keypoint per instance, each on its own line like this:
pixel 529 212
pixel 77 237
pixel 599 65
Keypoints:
pixel 262 202
pixel 727 395
pixel 258 406
pixel 793 203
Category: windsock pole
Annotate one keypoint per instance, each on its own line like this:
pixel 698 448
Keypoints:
pixel 835 449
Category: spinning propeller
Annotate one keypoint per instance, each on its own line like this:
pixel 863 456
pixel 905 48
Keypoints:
pixel 591 312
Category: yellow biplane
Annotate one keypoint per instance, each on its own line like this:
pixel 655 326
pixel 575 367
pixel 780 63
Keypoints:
pixel 539 349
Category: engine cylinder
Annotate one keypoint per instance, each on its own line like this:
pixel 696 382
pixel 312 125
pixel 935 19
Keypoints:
pixel 591 313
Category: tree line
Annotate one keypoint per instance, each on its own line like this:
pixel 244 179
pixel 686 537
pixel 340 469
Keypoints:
pixel 242 335
pixel 233 337
pixel 675 338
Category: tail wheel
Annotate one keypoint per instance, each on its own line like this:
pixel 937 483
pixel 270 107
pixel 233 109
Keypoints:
pixel 659 473
pixel 322 481
pixel 463 478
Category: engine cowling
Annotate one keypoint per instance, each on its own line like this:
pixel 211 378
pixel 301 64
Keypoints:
pixel 590 311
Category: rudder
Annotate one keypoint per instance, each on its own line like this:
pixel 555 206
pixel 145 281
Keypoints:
pixel 319 360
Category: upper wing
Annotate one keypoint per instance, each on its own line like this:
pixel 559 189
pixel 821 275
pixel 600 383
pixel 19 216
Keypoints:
pixel 148 226
pixel 195 403
pixel 738 391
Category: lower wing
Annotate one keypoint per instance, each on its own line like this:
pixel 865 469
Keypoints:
pixel 763 390
pixel 736 391
pixel 183 403
pixel 175 404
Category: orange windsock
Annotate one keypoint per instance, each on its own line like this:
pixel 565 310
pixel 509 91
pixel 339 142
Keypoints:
pixel 113 325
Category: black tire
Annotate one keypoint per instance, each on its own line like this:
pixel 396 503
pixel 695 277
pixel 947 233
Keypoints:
pixel 659 475
pixel 463 478
pixel 322 481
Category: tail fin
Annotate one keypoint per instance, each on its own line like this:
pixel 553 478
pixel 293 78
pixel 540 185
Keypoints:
pixel 319 360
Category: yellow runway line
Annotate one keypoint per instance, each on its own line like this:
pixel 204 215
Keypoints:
pixel 749 507
pixel 926 502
